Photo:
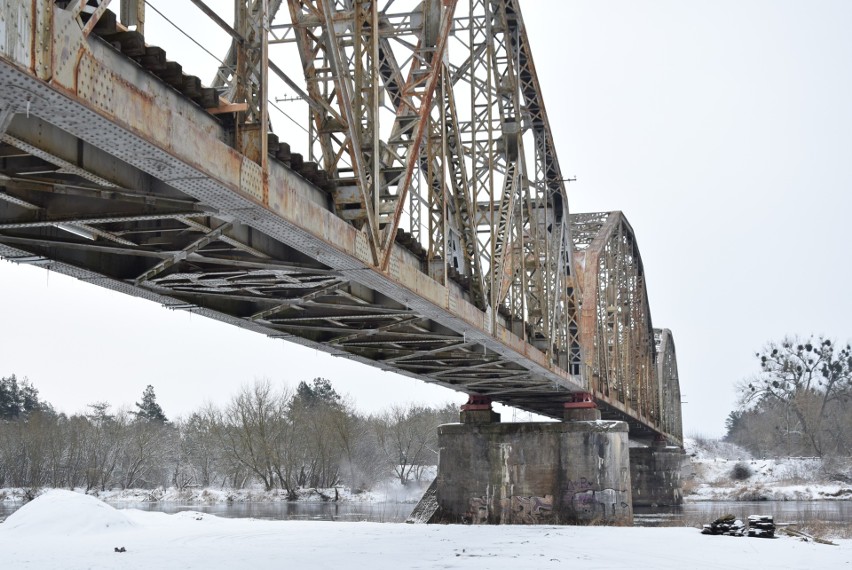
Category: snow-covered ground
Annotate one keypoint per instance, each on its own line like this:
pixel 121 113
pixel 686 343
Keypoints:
pixel 61 529
pixel 707 476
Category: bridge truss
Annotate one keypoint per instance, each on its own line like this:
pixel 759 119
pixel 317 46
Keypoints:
pixel 424 230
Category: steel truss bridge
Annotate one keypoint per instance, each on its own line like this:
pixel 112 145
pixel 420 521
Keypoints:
pixel 423 226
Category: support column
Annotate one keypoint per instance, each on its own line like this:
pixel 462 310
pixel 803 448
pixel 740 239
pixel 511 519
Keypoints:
pixel 655 474
pixel 570 472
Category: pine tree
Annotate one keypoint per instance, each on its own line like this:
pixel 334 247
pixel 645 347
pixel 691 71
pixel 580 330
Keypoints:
pixel 320 392
pixel 19 399
pixel 149 409
pixel 9 404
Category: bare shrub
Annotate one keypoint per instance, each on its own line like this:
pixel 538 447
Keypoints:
pixel 826 530
pixel 741 472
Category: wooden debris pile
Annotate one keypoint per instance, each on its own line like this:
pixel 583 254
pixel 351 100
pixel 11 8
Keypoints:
pixel 759 526
pixel 728 524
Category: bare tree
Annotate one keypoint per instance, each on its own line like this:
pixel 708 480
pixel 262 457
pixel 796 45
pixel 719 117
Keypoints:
pixel 805 388
pixel 144 453
pixel 105 438
pixel 408 437
pixel 197 459
pixel 252 428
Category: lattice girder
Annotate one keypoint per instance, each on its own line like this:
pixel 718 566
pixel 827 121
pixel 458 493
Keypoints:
pixel 615 320
pixel 669 384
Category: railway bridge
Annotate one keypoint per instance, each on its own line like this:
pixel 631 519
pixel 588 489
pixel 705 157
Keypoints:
pixel 416 220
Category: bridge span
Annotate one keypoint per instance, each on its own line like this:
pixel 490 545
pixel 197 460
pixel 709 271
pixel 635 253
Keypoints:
pixel 423 226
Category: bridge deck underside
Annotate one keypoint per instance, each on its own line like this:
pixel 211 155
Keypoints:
pixel 70 206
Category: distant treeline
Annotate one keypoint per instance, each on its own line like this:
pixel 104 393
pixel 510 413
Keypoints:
pixel 278 438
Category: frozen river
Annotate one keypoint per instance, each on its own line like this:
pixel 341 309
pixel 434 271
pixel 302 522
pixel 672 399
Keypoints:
pixel 690 514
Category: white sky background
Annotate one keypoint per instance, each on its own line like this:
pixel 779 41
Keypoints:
pixel 723 130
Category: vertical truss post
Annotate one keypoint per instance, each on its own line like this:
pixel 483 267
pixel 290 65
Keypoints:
pixel 133 14
pixel 250 79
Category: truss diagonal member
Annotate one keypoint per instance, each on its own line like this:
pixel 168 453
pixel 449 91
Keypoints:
pixel 82 246
pixel 464 207
pixel 64 165
pixel 502 269
pixel 461 343
pixel 182 254
pixel 92 232
pixel 231 57
pixel 17 201
pixel 94 11
pixel 307 22
pixel 374 330
pixel 226 239
pixel 335 285
pixel 97 220
pixel 532 92
pixel 300 93
pixel 482 362
pixel 64 188
pixel 226 76
pixel 435 74
pixel 485 382
pixel 344 83
pixel 83 230
pixel 324 34
pixel 534 389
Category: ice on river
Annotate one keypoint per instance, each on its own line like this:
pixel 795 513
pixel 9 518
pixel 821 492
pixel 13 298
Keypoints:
pixel 61 529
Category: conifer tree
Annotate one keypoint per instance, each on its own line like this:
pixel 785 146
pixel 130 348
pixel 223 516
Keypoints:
pixel 149 409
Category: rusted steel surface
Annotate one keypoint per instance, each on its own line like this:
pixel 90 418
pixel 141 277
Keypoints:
pixel 669 384
pixel 627 363
pixel 425 239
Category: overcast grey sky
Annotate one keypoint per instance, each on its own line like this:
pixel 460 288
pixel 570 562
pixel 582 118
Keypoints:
pixel 723 130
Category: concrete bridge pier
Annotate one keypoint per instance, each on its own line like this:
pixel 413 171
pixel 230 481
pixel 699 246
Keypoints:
pixel 572 472
pixel 655 474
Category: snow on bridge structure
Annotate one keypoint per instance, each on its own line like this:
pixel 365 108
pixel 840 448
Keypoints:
pixel 423 226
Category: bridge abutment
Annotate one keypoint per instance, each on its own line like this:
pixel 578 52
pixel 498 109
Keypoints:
pixel 655 475
pixel 570 472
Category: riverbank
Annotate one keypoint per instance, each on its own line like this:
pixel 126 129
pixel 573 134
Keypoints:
pixel 390 491
pixel 71 530
pixel 712 471
pixel 719 471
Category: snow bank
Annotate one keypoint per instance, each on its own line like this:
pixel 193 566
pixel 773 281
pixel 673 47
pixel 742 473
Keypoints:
pixel 707 476
pixel 702 448
pixel 66 513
